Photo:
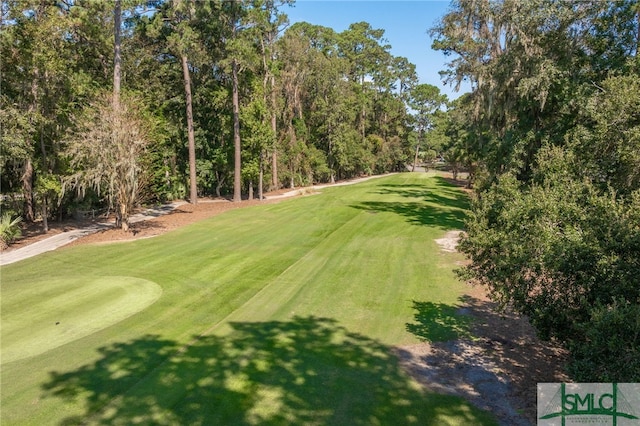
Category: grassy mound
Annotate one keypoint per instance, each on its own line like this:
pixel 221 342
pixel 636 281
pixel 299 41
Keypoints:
pixel 50 313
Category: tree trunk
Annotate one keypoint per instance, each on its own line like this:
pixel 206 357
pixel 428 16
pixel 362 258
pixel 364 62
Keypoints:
pixel 363 122
pixel 45 207
pixel 265 84
pixel 637 31
pixel 123 217
pixel 219 183
pixel 236 136
pixel 121 221
pixel 251 190
pixel 193 189
pixel 292 182
pixel 293 142
pixel 261 177
pixel 330 159
pixel 117 60
pixel 45 214
pixel 27 191
pixel 27 178
pixel 274 169
pixel 415 158
pixel 274 128
pixel 269 82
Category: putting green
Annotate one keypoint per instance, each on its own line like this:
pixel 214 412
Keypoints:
pixel 50 313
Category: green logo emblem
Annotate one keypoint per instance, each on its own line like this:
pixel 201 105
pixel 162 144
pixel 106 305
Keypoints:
pixel 586 403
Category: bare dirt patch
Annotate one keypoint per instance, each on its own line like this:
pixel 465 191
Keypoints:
pixel 449 242
pixel 496 369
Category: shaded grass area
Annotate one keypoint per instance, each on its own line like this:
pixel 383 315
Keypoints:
pixel 438 322
pixel 307 370
pixel 301 300
pixel 440 205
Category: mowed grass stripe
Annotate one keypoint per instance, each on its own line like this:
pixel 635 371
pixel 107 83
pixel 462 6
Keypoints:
pixel 343 279
pixel 310 290
pixel 275 299
pixel 366 274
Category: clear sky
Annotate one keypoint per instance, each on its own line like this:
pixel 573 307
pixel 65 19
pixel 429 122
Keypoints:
pixel 406 24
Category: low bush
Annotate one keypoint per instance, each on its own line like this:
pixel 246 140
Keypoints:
pixel 610 348
pixel 9 229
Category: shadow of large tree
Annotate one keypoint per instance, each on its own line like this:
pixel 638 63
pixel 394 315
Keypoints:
pixel 438 322
pixel 441 205
pixel 493 359
pixel 305 371
pixel 440 192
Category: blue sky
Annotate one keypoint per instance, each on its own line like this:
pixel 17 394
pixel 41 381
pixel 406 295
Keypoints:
pixel 406 24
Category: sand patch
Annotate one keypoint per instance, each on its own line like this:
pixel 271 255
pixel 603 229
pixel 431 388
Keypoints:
pixel 449 243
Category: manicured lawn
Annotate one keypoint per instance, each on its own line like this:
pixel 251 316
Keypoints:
pixel 279 314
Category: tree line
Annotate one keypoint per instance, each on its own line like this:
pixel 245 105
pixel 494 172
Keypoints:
pixel 112 103
pixel 551 138
pixel 116 103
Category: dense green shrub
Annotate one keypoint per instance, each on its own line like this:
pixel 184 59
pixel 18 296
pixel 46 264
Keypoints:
pixel 610 348
pixel 554 250
pixel 9 228
pixel 563 247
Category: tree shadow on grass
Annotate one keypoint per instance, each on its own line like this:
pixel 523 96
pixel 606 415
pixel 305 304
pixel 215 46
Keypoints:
pixel 442 206
pixel 305 371
pixel 438 322
pixel 442 192
pixel 497 369
pixel 418 213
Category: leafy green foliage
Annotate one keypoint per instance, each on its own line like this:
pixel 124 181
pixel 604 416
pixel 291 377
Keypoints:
pixel 561 252
pixel 9 228
pixel 610 349
pixel 305 99
pixel 608 141
pixel 552 251
pixel 533 65
pixel 554 140
pixel 340 91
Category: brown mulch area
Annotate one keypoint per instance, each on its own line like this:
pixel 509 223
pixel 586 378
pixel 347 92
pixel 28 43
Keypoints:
pixel 181 216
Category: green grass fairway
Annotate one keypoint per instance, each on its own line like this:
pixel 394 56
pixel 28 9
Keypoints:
pixel 52 313
pixel 284 313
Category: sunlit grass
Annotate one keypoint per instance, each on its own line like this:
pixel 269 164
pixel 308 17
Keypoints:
pixel 283 313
